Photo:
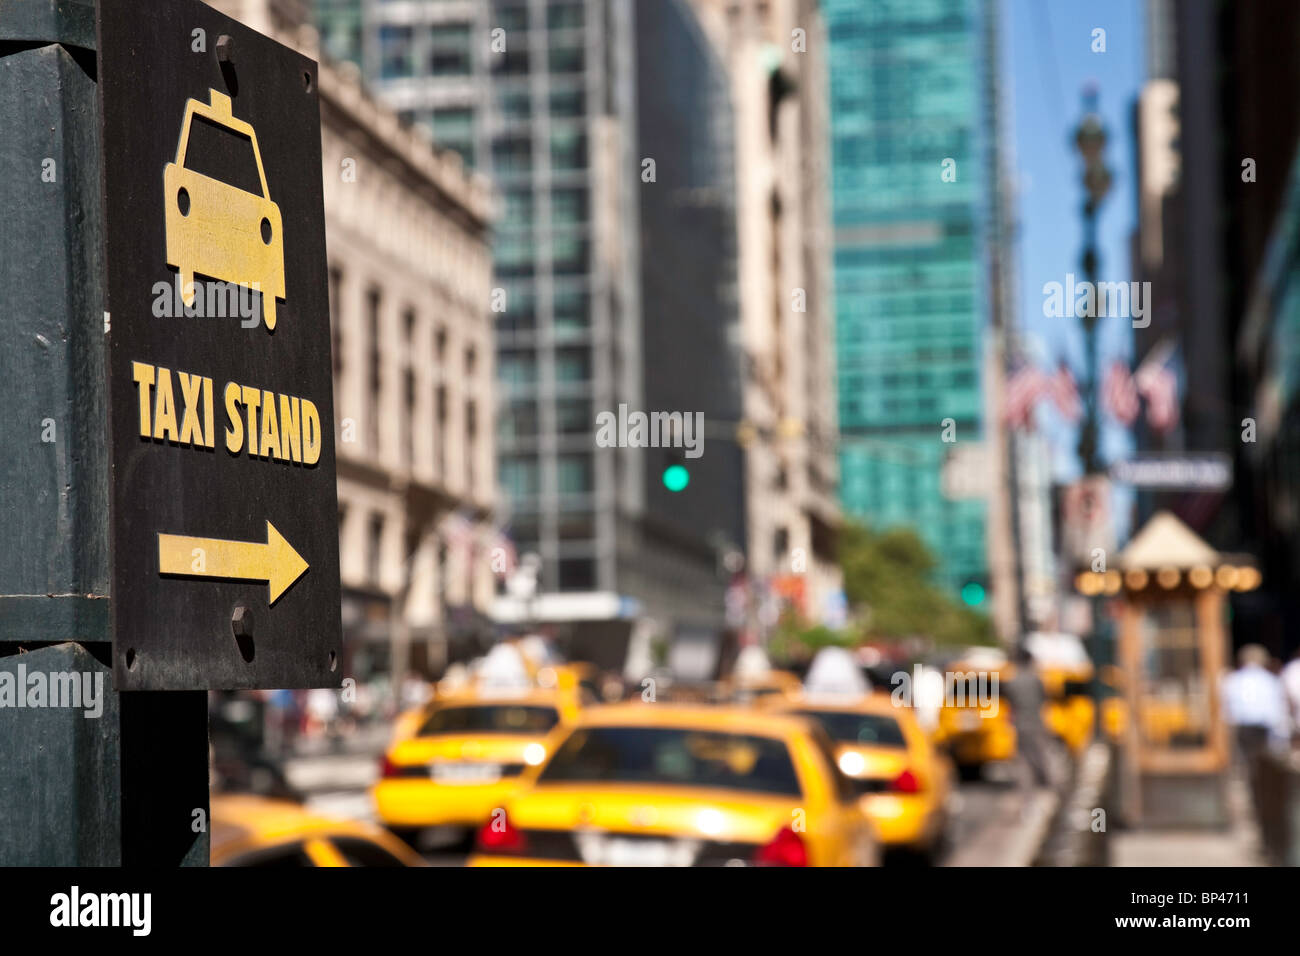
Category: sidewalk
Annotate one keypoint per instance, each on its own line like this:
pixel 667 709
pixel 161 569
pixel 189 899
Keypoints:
pixel 1238 845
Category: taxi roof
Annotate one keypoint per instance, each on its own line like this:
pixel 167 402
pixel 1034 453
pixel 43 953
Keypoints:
pixel 704 717
pixel 237 817
pixel 488 697
pixel 876 702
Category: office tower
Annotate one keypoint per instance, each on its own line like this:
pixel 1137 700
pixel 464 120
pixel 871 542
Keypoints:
pixel 615 277
pixel 913 190
pixel 775 53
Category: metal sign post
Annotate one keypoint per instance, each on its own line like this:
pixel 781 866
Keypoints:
pixel 108 635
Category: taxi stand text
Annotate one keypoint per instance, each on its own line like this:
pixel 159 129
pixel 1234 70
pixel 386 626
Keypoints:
pixel 279 427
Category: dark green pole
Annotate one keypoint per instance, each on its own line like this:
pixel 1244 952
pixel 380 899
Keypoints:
pixel 1090 139
pixel 128 786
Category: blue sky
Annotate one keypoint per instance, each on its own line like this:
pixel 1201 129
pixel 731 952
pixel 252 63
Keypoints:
pixel 1047 59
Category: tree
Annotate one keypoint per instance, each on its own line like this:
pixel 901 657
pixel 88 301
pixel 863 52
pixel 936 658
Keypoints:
pixel 889 586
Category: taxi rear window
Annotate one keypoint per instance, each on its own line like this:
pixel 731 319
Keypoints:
pixel 878 730
pixel 674 756
pixel 490 719
pixel 224 154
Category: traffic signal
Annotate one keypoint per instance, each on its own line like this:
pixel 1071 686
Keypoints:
pixel 972 594
pixel 676 476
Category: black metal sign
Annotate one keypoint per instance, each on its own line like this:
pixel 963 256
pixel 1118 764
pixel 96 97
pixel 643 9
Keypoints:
pixel 221 413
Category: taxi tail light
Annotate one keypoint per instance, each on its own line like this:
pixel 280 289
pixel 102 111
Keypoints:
pixel 786 849
pixel 907 782
pixel 388 769
pixel 499 835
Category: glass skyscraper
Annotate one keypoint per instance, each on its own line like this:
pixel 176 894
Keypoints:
pixel 619 289
pixel 911 201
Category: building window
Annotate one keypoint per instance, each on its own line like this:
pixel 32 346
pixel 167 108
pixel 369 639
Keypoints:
pixel 570 255
pixel 395 51
pixel 574 474
pixel 577 574
pixel 568 149
pixel 441 450
pixel 520 476
pixel 573 416
pixel 373 299
pixel 409 321
pixel 569 207
pixel 572 366
pixel 336 320
pixel 564 16
pixel 568 104
pixel 471 433
pixel 449 50
pixel 375 550
pixel 780 543
pixel 517 370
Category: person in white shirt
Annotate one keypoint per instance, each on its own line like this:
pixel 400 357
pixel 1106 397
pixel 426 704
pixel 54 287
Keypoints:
pixel 1253 700
pixel 1255 705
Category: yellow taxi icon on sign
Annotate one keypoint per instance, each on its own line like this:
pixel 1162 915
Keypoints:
pixel 217 229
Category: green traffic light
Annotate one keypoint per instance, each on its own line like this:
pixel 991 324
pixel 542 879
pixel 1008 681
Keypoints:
pixel 676 477
pixel 972 594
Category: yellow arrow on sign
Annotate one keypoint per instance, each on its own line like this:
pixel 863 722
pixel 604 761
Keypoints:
pixel 275 562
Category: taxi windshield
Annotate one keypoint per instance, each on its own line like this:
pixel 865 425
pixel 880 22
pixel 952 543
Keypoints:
pixel 223 154
pixel 674 756
pixel 878 730
pixel 490 719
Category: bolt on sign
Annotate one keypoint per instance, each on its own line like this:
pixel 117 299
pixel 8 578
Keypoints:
pixel 224 517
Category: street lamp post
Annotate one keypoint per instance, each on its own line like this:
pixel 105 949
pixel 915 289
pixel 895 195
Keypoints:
pixel 1090 140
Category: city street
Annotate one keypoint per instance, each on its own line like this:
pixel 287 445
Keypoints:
pixel 646 435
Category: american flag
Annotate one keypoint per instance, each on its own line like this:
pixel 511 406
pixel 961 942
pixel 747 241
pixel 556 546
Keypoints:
pixel 1158 384
pixel 1025 386
pixel 1120 394
pixel 1064 393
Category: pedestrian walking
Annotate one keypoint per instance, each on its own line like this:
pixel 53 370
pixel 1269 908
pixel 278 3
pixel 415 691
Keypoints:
pixel 1026 695
pixel 1255 706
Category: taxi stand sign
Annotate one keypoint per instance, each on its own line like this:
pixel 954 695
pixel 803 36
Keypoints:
pixel 224 538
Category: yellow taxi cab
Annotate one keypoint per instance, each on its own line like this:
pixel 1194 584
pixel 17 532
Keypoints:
pixel 465 755
pixel 973 724
pixel 218 229
pixel 1069 712
pixel 677 785
pixel 904 781
pixel 249 830
pixel 1063 666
